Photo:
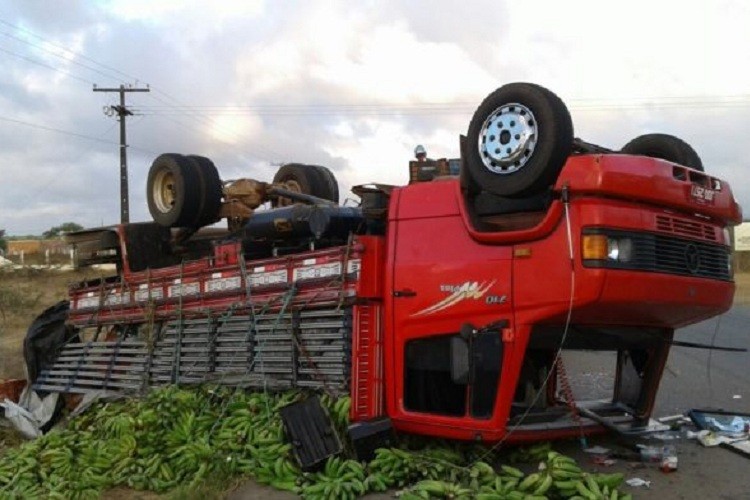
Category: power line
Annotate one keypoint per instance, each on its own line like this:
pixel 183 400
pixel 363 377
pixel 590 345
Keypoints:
pixel 66 132
pixel 73 61
pixel 45 65
pixel 66 49
pixel 384 109
pixel 75 54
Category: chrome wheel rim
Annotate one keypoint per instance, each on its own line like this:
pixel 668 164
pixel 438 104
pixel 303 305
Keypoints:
pixel 507 139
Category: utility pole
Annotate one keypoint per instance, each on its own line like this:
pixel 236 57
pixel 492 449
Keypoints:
pixel 122 112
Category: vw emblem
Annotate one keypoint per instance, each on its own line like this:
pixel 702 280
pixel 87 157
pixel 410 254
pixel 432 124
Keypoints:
pixel 692 258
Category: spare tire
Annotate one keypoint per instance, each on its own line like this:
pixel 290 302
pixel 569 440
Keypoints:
pixel 518 140
pixel 664 146
pixel 306 179
pixel 211 190
pixel 174 191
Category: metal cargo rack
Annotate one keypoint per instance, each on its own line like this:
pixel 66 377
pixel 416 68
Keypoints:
pixel 295 348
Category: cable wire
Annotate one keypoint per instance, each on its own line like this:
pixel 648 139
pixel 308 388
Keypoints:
pixel 558 354
pixel 69 133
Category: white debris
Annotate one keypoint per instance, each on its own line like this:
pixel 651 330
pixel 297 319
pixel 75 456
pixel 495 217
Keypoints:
pixel 31 412
pixel 637 482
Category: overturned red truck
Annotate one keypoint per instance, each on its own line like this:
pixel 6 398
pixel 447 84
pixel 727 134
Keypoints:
pixel 441 307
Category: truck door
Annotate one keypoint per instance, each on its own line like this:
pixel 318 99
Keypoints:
pixel 442 279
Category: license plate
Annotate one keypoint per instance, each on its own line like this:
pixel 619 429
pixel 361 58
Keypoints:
pixel 702 195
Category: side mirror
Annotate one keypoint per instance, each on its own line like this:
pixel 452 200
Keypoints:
pixel 460 355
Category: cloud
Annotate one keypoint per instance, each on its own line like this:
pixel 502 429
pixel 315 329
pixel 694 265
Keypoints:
pixel 349 86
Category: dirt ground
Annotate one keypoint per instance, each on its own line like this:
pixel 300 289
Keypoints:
pixel 704 473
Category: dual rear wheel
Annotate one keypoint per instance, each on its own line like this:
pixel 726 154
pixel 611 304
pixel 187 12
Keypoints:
pixel 186 191
pixel 183 191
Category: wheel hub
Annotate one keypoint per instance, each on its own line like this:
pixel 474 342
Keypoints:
pixel 290 185
pixel 164 191
pixel 507 139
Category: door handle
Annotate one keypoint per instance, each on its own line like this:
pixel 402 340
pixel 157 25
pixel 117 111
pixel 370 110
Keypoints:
pixel 406 292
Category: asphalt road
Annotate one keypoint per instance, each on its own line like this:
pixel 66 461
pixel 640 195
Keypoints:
pixel 702 378
pixel 694 378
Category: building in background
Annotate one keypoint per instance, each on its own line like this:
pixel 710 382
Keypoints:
pixel 741 247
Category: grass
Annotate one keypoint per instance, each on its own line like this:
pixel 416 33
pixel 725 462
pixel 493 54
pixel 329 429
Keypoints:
pixel 23 295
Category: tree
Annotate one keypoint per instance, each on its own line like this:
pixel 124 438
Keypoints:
pixel 65 227
pixel 3 243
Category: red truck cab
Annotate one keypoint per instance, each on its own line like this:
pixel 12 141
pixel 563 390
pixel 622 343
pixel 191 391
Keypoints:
pixel 628 249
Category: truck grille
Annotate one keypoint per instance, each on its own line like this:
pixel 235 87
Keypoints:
pixel 685 227
pixel 667 254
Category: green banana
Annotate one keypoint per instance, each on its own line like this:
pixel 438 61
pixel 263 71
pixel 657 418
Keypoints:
pixel 529 481
pixel 543 486
pixel 512 471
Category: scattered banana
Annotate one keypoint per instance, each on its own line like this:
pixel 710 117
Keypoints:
pixel 176 437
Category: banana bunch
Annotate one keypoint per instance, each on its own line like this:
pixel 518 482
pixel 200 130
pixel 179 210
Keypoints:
pixel 429 488
pixel 536 484
pixel 502 486
pixel 339 479
pixel 565 473
pixel 481 474
pixel 397 467
pixel 338 409
pixel 377 482
pixel 530 454
pixel 280 472
pixel 571 482
pixel 599 487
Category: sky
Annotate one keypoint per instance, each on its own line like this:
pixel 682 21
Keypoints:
pixel 354 86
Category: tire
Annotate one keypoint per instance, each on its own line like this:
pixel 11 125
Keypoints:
pixel 666 147
pixel 523 156
pixel 307 179
pixel 174 191
pixel 468 187
pixel 211 190
pixel 331 182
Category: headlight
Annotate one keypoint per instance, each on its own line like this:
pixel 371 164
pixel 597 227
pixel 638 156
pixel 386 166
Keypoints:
pixel 606 247
pixel 620 249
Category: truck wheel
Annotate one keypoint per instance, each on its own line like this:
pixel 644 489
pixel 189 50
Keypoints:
pixel 173 191
pixel 306 179
pixel 211 190
pixel 518 140
pixel 664 146
pixel 331 182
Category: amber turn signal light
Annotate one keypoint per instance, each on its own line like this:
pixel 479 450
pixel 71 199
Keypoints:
pixel 594 247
